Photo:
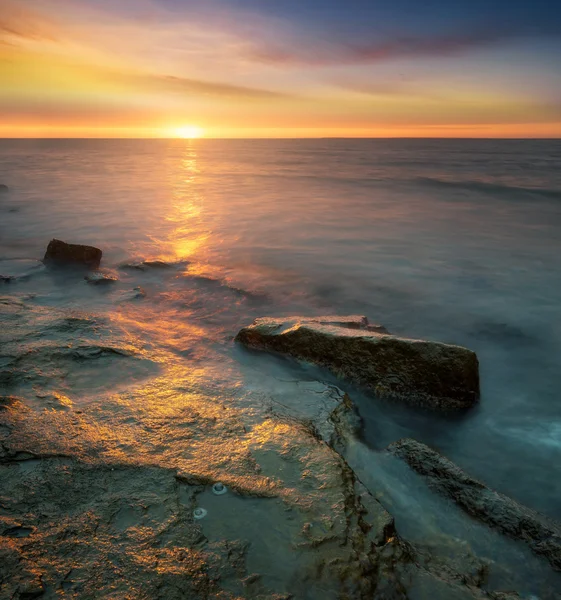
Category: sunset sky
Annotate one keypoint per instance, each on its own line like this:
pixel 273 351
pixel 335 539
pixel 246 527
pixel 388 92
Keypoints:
pixel 284 68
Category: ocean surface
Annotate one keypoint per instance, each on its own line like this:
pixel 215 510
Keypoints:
pixel 450 240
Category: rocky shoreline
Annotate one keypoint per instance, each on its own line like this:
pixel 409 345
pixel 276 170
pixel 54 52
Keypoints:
pixel 116 496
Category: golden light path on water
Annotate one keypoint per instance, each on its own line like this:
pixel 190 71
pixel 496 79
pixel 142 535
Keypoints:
pixel 211 428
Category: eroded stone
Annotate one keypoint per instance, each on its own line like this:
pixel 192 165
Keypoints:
pixel 424 373
pixel 542 535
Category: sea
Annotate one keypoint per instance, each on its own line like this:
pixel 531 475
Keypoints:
pixel 457 241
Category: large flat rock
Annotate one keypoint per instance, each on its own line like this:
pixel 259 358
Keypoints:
pixel 496 510
pixel 423 373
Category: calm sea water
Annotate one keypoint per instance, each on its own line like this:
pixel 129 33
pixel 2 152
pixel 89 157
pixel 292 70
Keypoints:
pixel 457 241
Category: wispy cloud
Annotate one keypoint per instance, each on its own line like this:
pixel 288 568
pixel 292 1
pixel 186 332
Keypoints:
pixel 185 85
pixel 20 22
pixel 324 53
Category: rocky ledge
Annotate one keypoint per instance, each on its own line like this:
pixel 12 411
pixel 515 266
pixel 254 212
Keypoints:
pixel 496 510
pixel 423 373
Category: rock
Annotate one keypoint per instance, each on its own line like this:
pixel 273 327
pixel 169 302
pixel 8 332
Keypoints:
pixel 337 426
pixel 496 510
pixel 135 294
pixel 4 188
pixel 423 373
pixel 98 278
pixel 61 253
pixel 147 264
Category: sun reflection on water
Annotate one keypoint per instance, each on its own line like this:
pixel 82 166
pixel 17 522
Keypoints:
pixel 188 233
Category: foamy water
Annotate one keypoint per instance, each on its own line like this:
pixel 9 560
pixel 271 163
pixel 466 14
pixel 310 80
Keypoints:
pixel 456 241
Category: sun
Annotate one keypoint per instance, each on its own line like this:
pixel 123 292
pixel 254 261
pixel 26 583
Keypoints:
pixel 189 132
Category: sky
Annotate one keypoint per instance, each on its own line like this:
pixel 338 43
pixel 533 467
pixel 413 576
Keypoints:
pixel 280 68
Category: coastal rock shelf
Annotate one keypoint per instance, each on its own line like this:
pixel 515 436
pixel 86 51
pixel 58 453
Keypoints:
pixel 493 508
pixel 423 373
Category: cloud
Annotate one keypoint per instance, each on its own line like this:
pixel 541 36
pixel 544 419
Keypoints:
pixel 321 54
pixel 204 88
pixel 18 22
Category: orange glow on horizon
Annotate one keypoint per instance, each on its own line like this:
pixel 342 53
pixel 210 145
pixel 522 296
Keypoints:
pixel 512 131
pixel 188 132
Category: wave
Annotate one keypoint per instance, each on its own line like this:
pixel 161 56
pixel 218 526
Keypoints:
pixel 146 265
pixel 482 186
pixel 219 283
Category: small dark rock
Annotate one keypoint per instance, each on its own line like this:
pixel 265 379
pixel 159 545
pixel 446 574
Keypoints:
pixel 4 188
pixel 61 253
pixel 98 278
pixel 145 265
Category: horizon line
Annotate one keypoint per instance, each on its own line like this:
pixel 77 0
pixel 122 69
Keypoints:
pixel 203 138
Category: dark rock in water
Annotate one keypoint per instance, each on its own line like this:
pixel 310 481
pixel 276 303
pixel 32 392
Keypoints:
pixel 135 294
pixel 98 278
pixel 157 264
pixel 61 253
pixel 4 188
pixel 496 510
pixel 147 264
pixel 423 373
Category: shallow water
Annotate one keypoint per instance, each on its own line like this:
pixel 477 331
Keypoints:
pixel 456 241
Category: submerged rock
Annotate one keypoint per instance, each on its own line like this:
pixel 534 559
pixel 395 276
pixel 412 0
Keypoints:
pixel 495 509
pixel 135 294
pixel 98 278
pixel 430 374
pixel 61 253
pixel 19 269
pixel 4 188
pixel 144 265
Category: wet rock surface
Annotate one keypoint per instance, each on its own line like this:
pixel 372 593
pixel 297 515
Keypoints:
pixel 144 541
pixel 428 374
pixel 61 253
pixel 102 482
pixel 100 278
pixel 4 188
pixel 542 535
pixel 146 265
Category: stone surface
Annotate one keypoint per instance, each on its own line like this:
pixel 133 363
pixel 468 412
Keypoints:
pixel 423 373
pixel 145 265
pixel 99 278
pixel 136 293
pixel 496 510
pixel 99 482
pixel 61 253
pixel 4 188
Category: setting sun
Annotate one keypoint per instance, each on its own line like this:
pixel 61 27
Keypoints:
pixel 189 132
